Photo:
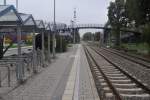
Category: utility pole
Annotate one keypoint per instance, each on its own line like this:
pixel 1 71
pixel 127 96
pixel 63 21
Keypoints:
pixel 54 27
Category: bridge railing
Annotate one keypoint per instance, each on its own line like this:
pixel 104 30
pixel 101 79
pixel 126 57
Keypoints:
pixel 97 26
pixel 85 26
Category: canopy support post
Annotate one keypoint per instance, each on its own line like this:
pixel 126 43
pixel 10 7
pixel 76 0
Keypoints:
pixel 20 70
pixel 43 49
pixel 49 43
pixel 34 54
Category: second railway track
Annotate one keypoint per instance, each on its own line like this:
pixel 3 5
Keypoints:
pixel 112 82
pixel 141 61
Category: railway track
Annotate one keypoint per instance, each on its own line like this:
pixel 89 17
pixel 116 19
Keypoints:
pixel 141 61
pixel 145 62
pixel 112 82
pixel 133 67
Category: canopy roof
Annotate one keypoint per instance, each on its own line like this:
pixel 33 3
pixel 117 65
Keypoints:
pixel 10 19
pixel 40 24
pixel 9 16
pixel 28 19
pixel 29 23
pixel 48 27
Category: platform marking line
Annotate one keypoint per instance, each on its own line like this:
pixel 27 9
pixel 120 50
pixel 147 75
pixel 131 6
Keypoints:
pixel 70 87
pixel 76 91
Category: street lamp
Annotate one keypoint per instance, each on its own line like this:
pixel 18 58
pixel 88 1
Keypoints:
pixel 73 30
pixel 17 5
pixel 54 27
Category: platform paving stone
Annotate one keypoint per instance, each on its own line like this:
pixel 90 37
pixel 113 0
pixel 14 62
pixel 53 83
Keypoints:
pixel 83 86
pixel 87 89
pixel 49 84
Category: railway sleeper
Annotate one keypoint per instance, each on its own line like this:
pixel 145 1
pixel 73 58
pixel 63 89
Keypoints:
pixel 121 81
pixel 135 93
pixel 110 70
pixel 115 74
pixel 104 91
pixel 125 85
pixel 135 96
pixel 118 78
pixel 130 91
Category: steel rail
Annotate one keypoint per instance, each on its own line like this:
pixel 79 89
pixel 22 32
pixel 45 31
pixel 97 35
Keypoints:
pixel 128 58
pixel 115 92
pixel 143 86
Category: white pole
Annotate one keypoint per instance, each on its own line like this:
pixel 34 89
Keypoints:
pixel 20 65
pixel 17 5
pixel 54 40
pixel 34 54
pixel 4 2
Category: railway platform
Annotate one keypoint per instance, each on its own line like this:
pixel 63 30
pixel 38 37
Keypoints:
pixel 80 85
pixel 68 77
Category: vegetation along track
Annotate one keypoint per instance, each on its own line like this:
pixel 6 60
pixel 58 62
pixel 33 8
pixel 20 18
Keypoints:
pixel 112 82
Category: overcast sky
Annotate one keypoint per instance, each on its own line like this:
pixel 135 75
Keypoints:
pixel 88 11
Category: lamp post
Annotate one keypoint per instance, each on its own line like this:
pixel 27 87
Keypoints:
pixel 4 2
pixel 73 30
pixel 17 5
pixel 54 27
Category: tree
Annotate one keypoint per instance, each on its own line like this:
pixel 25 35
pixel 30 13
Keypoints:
pixel 87 36
pixel 106 32
pixel 97 36
pixel 117 17
pixel 138 11
pixel 146 35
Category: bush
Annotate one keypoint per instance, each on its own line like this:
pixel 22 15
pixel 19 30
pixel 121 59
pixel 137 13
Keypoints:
pixel 146 35
pixel 61 47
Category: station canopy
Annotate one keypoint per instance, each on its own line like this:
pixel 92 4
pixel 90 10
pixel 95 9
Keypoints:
pixel 48 27
pixel 40 24
pixel 9 18
pixel 29 23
